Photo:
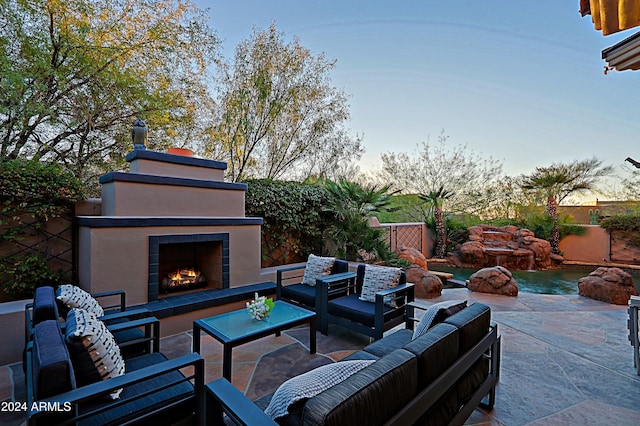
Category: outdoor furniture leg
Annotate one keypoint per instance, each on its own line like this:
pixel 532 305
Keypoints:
pixel 312 335
pixel 196 339
pixel 226 362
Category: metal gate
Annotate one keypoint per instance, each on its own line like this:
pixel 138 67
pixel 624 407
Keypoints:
pixel 624 246
pixel 405 234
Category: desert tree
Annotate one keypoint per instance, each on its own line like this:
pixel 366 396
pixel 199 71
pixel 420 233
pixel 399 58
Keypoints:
pixel 442 166
pixel 560 180
pixel 279 116
pixel 448 178
pixel 75 74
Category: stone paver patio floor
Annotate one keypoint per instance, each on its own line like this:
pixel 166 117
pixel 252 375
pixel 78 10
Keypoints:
pixel 566 360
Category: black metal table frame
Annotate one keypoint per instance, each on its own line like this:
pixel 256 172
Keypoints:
pixel 229 344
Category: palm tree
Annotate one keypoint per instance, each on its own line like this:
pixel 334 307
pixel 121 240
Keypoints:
pixel 558 181
pixel 353 204
pixel 436 198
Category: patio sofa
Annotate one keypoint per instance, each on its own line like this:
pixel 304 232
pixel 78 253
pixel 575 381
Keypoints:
pixel 64 383
pixel 438 378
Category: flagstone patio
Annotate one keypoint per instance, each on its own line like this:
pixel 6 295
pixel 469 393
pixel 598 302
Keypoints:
pixel 566 360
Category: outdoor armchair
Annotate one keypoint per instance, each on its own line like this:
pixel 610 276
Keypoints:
pixel 45 306
pixel 291 288
pixel 385 309
pixel 153 390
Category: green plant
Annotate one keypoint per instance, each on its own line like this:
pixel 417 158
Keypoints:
pixel 628 227
pixel 352 205
pixel 294 218
pixel 542 226
pixel 25 272
pixel 32 194
pixel 626 222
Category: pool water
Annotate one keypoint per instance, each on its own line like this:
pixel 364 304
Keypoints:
pixel 552 281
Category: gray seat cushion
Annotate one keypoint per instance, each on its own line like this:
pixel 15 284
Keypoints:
pixel 473 323
pixel 390 343
pixel 371 396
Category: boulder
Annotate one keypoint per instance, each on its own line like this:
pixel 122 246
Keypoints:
pixel 413 256
pixel 472 254
pixel 495 280
pixel 505 246
pixel 427 285
pixel 611 285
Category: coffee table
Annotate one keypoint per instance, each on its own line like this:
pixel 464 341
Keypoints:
pixel 237 327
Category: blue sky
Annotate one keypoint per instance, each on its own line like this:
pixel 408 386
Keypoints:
pixel 521 82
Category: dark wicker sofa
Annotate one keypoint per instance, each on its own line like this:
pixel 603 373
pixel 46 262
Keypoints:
pixel 438 378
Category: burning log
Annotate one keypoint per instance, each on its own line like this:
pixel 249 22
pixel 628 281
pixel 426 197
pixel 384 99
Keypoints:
pixel 183 279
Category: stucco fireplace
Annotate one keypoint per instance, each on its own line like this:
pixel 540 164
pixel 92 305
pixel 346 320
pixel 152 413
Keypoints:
pixel 170 224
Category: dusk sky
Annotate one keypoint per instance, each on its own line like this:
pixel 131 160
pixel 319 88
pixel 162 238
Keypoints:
pixel 520 82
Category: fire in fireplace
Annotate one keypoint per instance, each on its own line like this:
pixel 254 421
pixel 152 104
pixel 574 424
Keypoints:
pixel 186 262
pixel 183 279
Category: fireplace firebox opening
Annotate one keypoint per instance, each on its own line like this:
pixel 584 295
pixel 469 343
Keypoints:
pixel 186 262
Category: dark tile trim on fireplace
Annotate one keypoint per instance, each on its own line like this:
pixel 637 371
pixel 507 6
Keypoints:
pixel 175 159
pixel 154 255
pixel 131 221
pixel 167 180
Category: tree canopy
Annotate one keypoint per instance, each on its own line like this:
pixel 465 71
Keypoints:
pixel 466 178
pixel 279 115
pixel 560 180
pixel 76 73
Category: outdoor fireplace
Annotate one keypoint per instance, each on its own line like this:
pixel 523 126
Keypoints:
pixel 164 222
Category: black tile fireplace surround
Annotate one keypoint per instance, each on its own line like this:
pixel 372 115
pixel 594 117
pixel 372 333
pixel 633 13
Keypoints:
pixel 215 244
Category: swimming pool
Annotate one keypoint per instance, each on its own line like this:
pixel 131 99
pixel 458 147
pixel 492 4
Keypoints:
pixel 551 281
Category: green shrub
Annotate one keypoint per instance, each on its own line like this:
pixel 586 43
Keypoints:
pixel 32 194
pixel 626 222
pixel 294 218
pixel 27 272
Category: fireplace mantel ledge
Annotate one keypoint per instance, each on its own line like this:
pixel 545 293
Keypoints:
pixel 141 221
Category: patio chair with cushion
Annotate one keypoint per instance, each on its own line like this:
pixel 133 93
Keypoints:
pixel 54 304
pixel 375 302
pixel 634 330
pixel 79 377
pixel 297 284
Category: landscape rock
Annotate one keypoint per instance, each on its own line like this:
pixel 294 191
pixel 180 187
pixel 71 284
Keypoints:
pixel 494 280
pixel 413 256
pixel 427 285
pixel 611 285
pixel 505 246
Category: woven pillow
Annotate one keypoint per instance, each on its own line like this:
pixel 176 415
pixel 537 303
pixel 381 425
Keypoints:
pixel 94 352
pixel 317 267
pixel 437 313
pixel 74 297
pixel 310 384
pixel 378 278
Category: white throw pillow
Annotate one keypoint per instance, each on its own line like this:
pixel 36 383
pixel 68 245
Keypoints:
pixel 437 313
pixel 310 384
pixel 378 278
pixel 94 349
pixel 317 267
pixel 75 297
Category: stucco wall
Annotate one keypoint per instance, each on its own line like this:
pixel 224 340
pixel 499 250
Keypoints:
pixel 593 246
pixel 118 258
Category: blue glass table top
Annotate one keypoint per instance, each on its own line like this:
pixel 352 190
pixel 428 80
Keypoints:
pixel 238 324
